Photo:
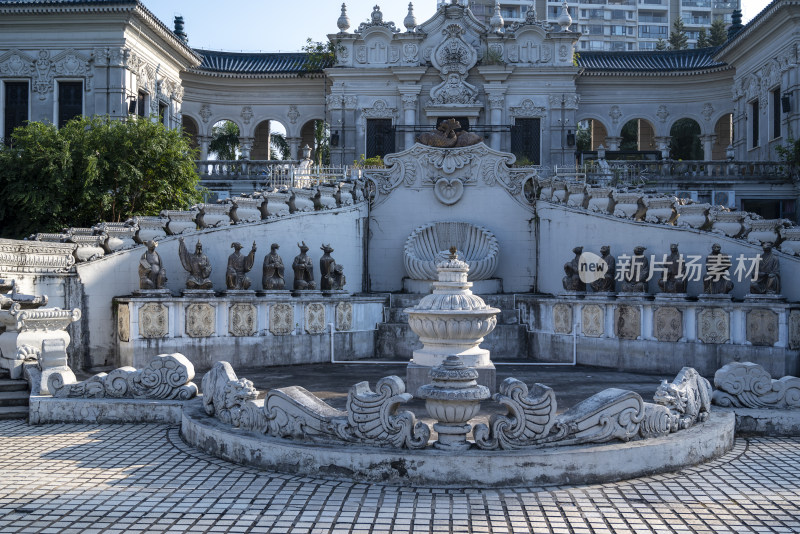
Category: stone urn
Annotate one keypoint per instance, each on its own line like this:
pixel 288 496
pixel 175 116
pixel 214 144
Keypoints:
pixel 763 230
pixel 451 321
pixel 213 215
pixel 660 209
pixel 627 205
pixel 301 200
pixel 791 240
pixel 150 228
pixel 453 398
pixel 599 199
pixel 577 194
pixel 245 210
pixel 727 223
pixel 692 215
pixel 180 222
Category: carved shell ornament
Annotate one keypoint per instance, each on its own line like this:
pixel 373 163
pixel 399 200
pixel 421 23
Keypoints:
pixel 448 191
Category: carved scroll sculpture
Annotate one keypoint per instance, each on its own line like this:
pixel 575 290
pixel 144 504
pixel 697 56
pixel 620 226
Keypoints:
pixel 688 398
pixel 529 420
pixel 167 376
pixel 748 385
pixel 224 395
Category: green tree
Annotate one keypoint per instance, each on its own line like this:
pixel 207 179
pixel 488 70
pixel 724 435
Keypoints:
pixel 630 135
pixel 719 34
pixel 278 146
pixel 322 146
pixel 661 44
pixel 583 137
pixel 685 140
pixel 677 37
pixel 702 39
pixel 319 55
pixel 92 170
pixel 224 140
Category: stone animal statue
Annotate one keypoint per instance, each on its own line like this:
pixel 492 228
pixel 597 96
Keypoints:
pixel 688 398
pixel 224 396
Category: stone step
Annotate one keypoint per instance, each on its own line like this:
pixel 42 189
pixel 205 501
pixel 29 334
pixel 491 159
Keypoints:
pixel 396 341
pixel 4 373
pixel 13 398
pixel 13 385
pixel 13 412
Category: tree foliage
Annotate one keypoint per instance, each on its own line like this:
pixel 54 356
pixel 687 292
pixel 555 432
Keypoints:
pixel 678 40
pixel 661 44
pixel 279 146
pixel 92 170
pixel 790 155
pixel 719 34
pixel 322 145
pixel 224 140
pixel 685 140
pixel 320 55
pixel 702 38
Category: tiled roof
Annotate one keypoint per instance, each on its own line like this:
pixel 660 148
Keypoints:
pixel 656 61
pixel 258 63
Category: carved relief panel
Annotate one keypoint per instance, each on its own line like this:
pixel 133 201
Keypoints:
pixel 762 327
pixel 627 321
pixel 344 316
pixel 667 324
pixel 200 320
pixel 315 318
pixel 242 320
pixel 281 319
pixel 592 320
pixel 713 325
pixel 124 322
pixel 153 320
pixel 562 319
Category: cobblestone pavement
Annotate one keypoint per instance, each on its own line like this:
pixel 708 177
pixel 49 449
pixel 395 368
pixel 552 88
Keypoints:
pixel 129 478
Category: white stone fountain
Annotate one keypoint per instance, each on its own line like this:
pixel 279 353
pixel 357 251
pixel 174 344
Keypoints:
pixel 451 321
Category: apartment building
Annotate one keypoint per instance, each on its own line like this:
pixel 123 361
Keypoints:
pixel 618 25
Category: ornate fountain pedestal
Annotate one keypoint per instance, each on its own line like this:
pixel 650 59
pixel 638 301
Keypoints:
pixel 451 321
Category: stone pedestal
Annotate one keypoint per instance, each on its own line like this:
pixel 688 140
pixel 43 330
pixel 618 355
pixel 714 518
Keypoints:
pixel 492 286
pixel 417 376
pixel 198 293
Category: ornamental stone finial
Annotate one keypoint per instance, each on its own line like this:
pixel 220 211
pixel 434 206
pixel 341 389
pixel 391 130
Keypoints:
pixel 564 18
pixel 530 15
pixel 410 22
pixel 496 22
pixel 344 21
pixel 377 15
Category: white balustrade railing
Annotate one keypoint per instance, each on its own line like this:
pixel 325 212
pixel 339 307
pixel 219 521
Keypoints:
pixel 275 173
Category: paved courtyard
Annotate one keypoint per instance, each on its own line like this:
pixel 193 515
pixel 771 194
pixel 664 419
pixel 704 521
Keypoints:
pixel 128 478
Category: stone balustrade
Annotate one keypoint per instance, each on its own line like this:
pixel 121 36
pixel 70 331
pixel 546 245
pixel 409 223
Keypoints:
pixel 721 171
pixel 647 335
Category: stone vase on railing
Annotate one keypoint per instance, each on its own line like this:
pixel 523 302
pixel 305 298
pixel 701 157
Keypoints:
pixel 791 240
pixel 760 231
pixel 627 204
pixel 301 200
pixel 276 204
pixel 150 228
pixel 90 247
pixel 725 222
pixel 692 215
pixel 245 210
pixel 344 194
pixel 213 215
pixel 599 199
pixel 577 194
pixel 180 222
pixel 324 198
pixel 660 209
pixel 120 236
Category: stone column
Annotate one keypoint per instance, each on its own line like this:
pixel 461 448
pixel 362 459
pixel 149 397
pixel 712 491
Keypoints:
pixel 662 144
pixel 294 147
pixel 708 145
pixel 410 98
pixel 613 143
pixel 246 144
pixel 203 141
pixel 496 101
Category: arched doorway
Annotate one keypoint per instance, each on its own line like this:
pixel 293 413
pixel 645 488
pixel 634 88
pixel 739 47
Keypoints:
pixel 269 142
pixel 316 134
pixel 685 140
pixel 723 137
pixel 224 143
pixel 191 130
pixel 638 135
pixel 590 134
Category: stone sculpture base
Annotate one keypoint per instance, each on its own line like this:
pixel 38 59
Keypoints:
pixel 672 296
pixel 306 293
pixel 633 295
pixel 493 286
pixel 600 295
pixel 275 294
pixel 239 293
pixel 198 293
pixel 50 410
pixel 715 296
pixel 417 376
pixel 765 422
pixel 754 297
pixel 334 293
pixel 152 293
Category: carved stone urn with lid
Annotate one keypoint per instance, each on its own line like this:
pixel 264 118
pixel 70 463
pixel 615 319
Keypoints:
pixel 451 321
pixel 453 398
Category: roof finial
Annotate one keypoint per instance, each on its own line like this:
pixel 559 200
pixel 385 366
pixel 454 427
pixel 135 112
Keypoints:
pixel 410 21
pixel 736 23
pixel 344 20
pixel 496 22
pixel 179 33
pixel 564 19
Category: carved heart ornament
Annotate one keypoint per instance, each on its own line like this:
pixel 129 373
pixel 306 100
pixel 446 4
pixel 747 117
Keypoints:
pixel 448 191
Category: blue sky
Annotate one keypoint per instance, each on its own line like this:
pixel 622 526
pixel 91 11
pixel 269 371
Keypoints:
pixel 281 25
